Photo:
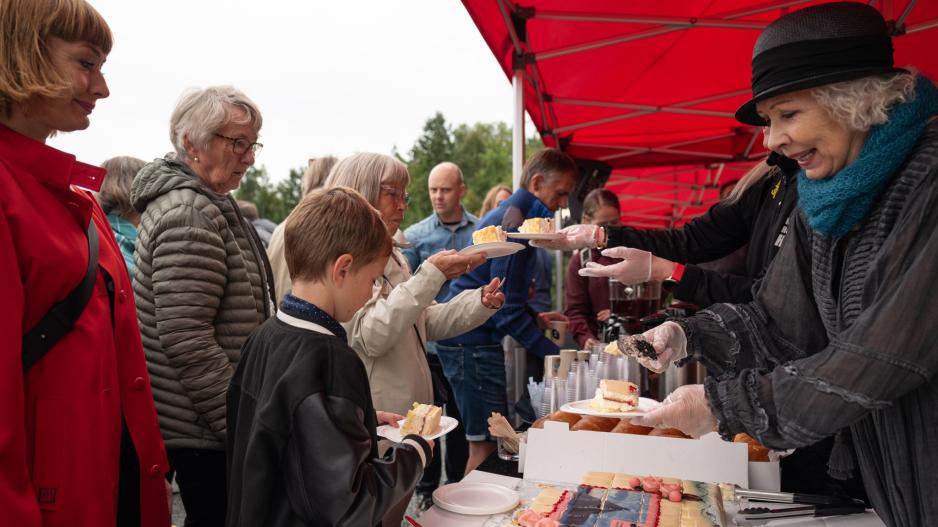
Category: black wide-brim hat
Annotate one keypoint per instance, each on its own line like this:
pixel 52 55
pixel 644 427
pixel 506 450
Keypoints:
pixel 818 45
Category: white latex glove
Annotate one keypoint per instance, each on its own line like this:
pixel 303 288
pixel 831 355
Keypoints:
pixel 637 266
pixel 574 237
pixel 670 344
pixel 686 409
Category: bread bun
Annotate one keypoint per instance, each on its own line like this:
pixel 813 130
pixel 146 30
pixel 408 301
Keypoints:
pixel 626 427
pixel 757 452
pixel 570 419
pixel 564 417
pixel 668 432
pixel 595 423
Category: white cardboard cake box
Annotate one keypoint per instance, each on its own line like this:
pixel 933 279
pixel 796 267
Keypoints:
pixel 765 475
pixel 555 454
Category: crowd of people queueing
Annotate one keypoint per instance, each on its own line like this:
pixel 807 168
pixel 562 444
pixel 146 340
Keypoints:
pixel 158 329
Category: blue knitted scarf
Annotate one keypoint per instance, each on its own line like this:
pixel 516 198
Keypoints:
pixel 837 204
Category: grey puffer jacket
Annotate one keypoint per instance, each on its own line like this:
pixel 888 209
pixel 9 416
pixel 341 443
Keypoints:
pixel 202 285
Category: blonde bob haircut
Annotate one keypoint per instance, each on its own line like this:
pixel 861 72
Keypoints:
pixel 26 69
pixel 328 223
pixel 366 173
pixel 200 113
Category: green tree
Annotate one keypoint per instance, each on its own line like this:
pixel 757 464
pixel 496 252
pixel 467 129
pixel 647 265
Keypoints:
pixel 434 146
pixel 273 201
pixel 482 151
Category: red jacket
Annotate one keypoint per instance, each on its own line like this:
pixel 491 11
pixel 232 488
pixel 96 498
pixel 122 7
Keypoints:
pixel 60 425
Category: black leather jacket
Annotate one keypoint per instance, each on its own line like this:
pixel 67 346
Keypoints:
pixel 302 446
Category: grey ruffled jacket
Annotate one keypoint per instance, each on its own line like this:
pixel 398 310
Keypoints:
pixel 849 329
pixel 201 285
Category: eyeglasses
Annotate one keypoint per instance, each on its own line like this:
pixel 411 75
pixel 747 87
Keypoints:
pixel 240 146
pixel 396 193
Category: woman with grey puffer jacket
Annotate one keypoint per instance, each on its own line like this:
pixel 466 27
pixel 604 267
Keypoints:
pixel 202 284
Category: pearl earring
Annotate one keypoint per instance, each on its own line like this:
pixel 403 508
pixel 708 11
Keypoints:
pixel 196 159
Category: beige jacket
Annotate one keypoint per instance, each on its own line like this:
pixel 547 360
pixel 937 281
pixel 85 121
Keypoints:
pixel 278 263
pixel 384 332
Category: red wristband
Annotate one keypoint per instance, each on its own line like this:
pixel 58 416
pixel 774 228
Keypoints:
pixel 678 272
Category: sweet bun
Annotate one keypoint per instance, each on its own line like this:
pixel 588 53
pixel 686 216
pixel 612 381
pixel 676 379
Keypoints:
pixel 668 432
pixel 625 427
pixel 757 452
pixel 595 423
pixel 564 417
pixel 570 419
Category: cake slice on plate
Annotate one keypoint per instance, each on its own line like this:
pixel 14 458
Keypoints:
pixel 615 396
pixel 422 419
pixel 537 226
pixel 492 233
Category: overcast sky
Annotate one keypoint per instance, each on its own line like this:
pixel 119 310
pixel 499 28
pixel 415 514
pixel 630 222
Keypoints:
pixel 329 77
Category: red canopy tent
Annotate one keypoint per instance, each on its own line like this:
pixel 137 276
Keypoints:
pixel 650 88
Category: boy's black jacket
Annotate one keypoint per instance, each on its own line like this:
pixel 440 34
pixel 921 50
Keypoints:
pixel 302 447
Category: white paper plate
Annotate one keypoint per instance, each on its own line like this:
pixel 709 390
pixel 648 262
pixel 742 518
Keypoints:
pixel 583 408
pixel 475 498
pixel 447 424
pixel 493 249
pixel 536 235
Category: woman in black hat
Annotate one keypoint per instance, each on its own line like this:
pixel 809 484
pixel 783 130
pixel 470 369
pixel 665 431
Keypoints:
pixel 843 319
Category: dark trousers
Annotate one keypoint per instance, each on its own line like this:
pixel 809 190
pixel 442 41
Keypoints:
pixel 200 475
pixel 457 448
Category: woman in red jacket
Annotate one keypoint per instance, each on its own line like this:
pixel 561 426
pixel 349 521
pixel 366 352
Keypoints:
pixel 79 440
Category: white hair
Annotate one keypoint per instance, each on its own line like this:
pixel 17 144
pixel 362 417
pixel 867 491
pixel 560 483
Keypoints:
pixel 864 103
pixel 200 113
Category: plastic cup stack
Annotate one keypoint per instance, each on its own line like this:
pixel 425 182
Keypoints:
pixel 572 383
pixel 582 381
pixel 621 368
pixel 560 394
pixel 548 396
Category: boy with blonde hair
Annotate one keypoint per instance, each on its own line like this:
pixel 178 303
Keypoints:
pixel 302 446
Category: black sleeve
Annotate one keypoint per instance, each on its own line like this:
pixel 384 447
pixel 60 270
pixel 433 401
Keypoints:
pixel 727 226
pixel 704 287
pixel 331 475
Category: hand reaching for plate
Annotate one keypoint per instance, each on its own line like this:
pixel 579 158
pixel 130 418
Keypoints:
pixel 574 237
pixel 453 264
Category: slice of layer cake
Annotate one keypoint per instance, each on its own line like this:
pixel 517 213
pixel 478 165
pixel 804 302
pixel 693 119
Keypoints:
pixel 492 233
pixel 422 419
pixel 537 226
pixel 615 396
